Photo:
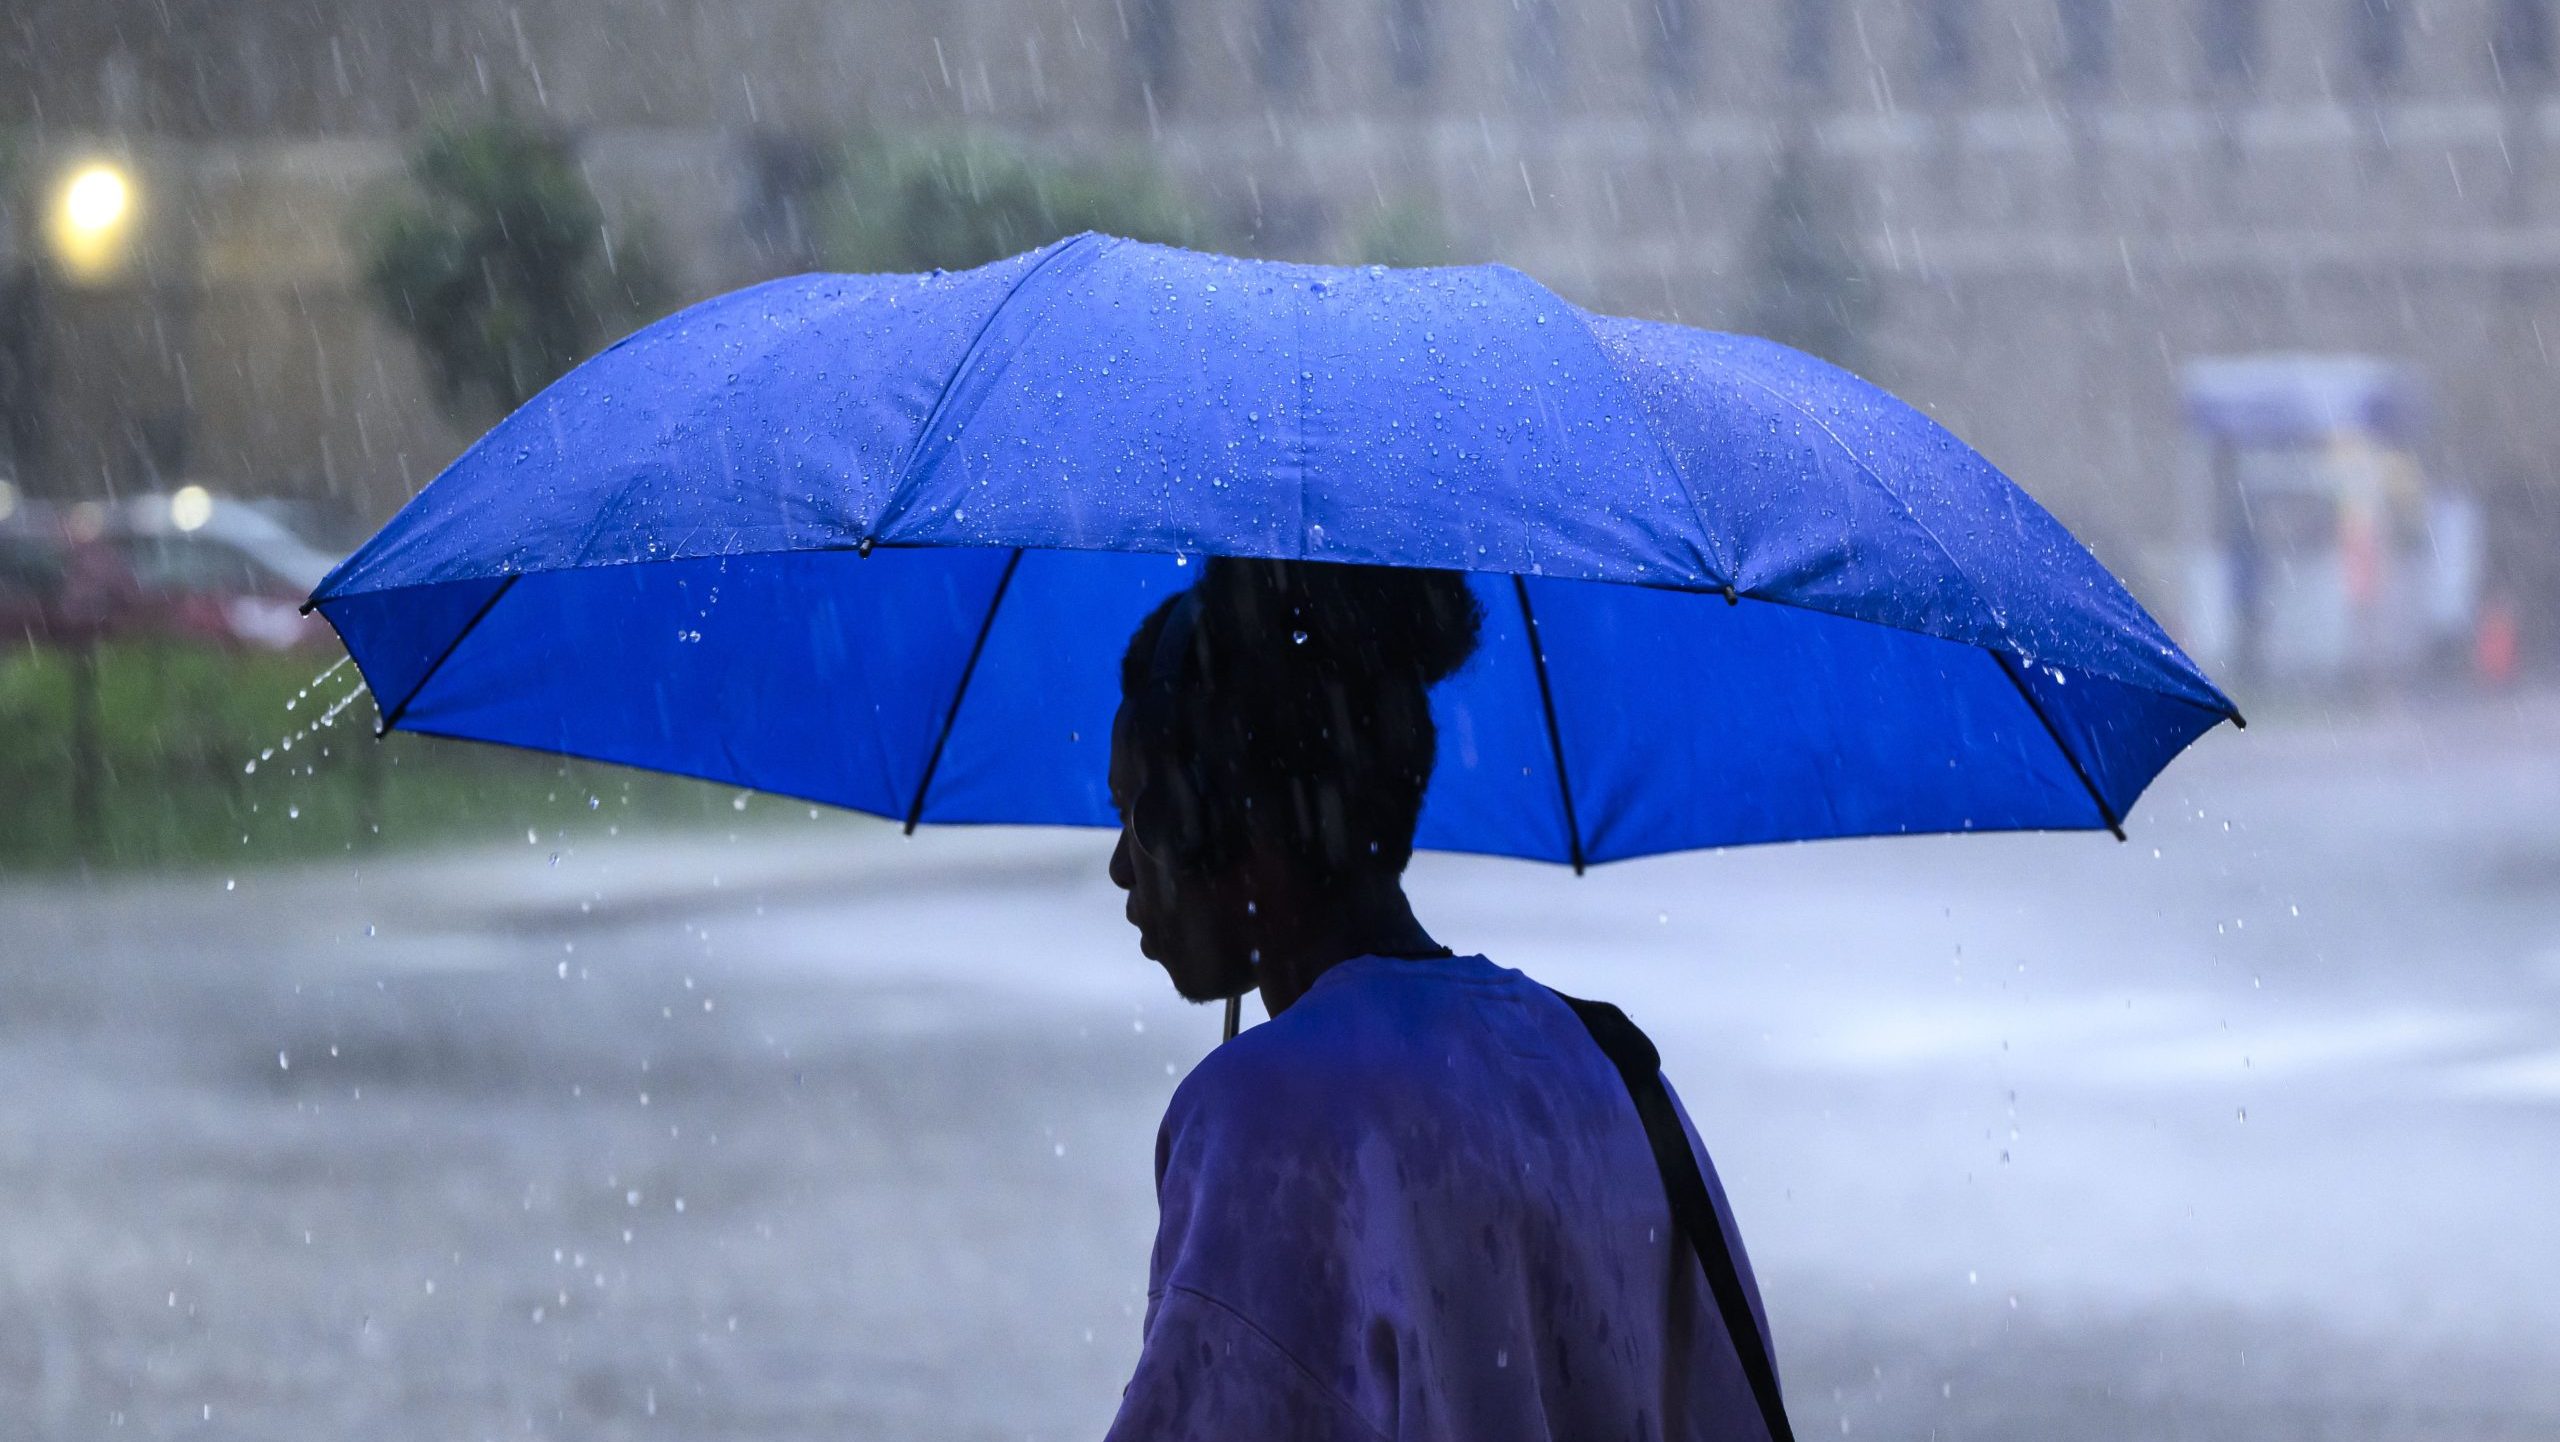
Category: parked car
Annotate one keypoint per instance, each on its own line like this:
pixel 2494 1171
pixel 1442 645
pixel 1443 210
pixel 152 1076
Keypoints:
pixel 55 589
pixel 215 568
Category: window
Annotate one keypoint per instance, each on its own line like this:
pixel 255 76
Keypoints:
pixel 786 171
pixel 1671 44
pixel 1809 27
pixel 193 566
pixel 1155 49
pixel 1946 42
pixel 2377 46
pixel 1537 48
pixel 2088 40
pixel 1411 59
pixel 2520 43
pixel 1280 57
pixel 2234 35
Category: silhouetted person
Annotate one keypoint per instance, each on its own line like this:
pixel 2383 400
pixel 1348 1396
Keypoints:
pixel 1416 1204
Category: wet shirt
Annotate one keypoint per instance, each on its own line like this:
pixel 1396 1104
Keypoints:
pixel 1418 1206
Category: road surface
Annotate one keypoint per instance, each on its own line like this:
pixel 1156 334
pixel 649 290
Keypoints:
pixel 2249 1128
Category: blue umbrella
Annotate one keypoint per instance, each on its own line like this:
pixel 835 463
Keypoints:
pixel 877 541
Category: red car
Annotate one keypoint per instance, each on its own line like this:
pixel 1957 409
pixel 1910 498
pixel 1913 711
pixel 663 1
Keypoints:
pixel 216 569
pixel 57 589
pixel 187 565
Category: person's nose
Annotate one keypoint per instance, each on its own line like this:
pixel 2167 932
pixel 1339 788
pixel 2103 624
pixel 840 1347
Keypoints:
pixel 1121 874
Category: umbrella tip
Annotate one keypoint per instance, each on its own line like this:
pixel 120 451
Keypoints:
pixel 1731 596
pixel 2239 722
pixel 2118 828
pixel 862 548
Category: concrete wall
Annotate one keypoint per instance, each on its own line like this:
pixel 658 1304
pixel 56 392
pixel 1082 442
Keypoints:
pixel 2049 244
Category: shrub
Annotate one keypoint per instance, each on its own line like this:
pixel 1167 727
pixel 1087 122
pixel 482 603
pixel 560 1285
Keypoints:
pixel 911 205
pixel 499 263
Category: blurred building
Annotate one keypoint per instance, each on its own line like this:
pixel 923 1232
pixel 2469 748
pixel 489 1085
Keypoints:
pixel 2040 210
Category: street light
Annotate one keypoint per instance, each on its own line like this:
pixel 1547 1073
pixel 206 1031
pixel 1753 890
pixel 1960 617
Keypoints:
pixel 190 508
pixel 92 221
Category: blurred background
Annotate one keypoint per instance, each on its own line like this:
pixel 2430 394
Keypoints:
pixel 426 1090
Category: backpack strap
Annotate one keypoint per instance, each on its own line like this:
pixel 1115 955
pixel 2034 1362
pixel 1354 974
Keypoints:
pixel 1640 1067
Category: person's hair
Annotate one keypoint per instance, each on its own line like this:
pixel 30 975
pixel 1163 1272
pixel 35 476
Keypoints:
pixel 1295 698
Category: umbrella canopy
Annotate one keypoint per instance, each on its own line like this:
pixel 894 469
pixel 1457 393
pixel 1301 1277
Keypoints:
pixel 878 540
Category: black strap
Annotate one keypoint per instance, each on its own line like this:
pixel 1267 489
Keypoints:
pixel 1640 1066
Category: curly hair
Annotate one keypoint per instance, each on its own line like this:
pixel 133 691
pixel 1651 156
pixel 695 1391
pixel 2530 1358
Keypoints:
pixel 1295 697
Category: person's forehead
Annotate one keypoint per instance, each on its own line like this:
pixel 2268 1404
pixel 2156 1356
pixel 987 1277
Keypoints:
pixel 1122 765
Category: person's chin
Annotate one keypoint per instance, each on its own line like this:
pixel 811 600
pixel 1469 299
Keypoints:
pixel 1203 984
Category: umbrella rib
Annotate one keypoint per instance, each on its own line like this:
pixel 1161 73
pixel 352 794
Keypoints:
pixel 948 395
pixel 2053 733
pixel 1679 476
pixel 1555 738
pixel 950 718
pixel 392 717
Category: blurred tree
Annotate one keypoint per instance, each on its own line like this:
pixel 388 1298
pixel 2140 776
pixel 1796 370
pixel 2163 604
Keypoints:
pixel 1807 278
pixel 499 262
pixel 908 205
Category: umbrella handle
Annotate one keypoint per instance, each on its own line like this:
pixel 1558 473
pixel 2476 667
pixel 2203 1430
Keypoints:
pixel 1235 1015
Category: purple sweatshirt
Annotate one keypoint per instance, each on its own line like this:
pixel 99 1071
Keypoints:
pixel 1418 1206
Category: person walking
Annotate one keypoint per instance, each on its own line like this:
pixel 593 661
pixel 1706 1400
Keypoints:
pixel 1418 1203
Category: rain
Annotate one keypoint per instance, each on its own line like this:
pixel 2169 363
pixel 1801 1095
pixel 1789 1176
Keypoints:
pixel 692 1062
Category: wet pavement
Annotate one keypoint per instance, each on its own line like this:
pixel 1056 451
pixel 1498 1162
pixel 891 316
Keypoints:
pixel 2248 1128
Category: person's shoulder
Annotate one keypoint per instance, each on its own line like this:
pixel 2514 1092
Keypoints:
pixel 1261 1065
pixel 1371 1031
pixel 1289 1081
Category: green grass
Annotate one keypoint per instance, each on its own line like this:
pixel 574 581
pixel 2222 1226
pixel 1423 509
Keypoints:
pixel 207 758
